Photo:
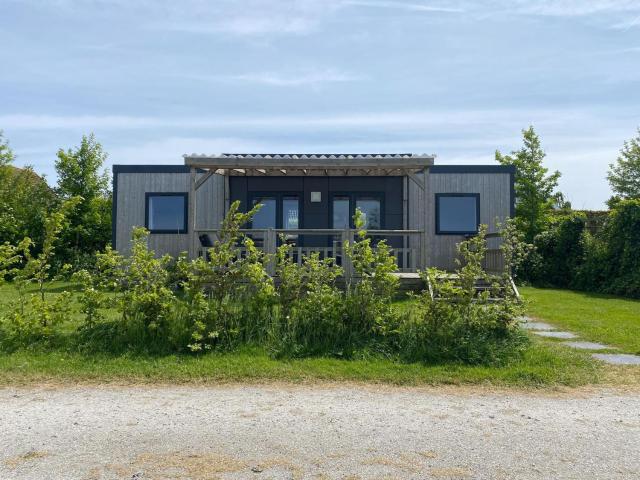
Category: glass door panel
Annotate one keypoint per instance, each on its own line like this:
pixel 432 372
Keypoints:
pixel 266 216
pixel 370 207
pixel 341 212
pixel 291 216
pixel 290 212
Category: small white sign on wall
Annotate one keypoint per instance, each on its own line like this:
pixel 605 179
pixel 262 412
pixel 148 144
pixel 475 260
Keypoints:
pixel 316 197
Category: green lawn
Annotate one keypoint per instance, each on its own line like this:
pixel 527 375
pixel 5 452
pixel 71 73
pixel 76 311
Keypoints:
pixel 544 364
pixel 596 317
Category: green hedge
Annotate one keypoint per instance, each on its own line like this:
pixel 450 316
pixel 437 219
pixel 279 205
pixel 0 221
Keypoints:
pixel 569 255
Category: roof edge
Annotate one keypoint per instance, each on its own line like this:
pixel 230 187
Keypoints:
pixel 150 169
pixel 511 169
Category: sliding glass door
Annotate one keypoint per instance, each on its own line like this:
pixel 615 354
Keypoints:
pixel 278 211
pixel 343 208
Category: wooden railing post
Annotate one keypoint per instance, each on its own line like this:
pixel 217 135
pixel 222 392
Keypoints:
pixel 270 246
pixel 347 239
pixel 423 250
pixel 191 216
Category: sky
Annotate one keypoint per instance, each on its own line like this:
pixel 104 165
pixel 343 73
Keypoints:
pixel 155 79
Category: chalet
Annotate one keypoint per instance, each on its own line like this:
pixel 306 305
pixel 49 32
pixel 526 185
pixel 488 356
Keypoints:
pixel 422 209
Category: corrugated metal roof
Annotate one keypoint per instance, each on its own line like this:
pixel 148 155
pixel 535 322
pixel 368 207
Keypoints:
pixel 307 156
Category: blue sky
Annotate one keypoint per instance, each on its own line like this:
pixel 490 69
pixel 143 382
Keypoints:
pixel 156 79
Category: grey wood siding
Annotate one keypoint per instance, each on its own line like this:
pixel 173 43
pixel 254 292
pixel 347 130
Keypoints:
pixel 131 207
pixel 495 204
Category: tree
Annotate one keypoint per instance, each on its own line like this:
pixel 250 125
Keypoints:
pixel 534 187
pixel 79 175
pixel 6 154
pixel 624 174
pixel 25 199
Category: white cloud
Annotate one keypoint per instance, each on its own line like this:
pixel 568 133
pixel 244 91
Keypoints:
pixel 283 79
pixel 572 8
pixel 628 23
pixel 391 120
pixel 244 26
pixel 170 150
pixel 415 7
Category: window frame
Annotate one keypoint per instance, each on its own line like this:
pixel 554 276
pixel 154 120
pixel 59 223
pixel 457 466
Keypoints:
pixel 439 231
pixel 353 197
pixel 279 207
pixel 185 226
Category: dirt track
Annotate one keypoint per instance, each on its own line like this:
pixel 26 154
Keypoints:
pixel 262 432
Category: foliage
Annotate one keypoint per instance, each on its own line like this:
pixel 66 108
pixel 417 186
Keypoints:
pixel 515 251
pixel 33 318
pixel 369 295
pixel 91 298
pixel 25 199
pixel 79 175
pixel 558 251
pixel 534 187
pixel 622 261
pixel 239 292
pixel 226 299
pixel 624 174
pixel 311 309
pixel 145 300
pixel 6 154
pixel 460 324
pixel 569 255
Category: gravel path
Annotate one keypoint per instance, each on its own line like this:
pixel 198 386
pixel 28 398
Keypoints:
pixel 321 432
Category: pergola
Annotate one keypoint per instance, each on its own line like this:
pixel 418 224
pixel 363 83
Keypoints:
pixel 252 164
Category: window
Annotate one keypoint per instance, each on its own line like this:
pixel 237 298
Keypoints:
pixel 266 216
pixel 370 207
pixel 278 211
pixel 166 212
pixel 290 206
pixel 344 206
pixel 457 213
pixel 341 212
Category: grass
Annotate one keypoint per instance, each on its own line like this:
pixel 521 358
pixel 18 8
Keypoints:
pixel 596 317
pixel 544 364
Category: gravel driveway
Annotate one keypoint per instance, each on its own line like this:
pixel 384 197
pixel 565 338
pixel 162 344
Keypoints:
pixel 262 432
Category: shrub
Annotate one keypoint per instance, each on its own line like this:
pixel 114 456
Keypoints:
pixel 370 294
pixel 459 324
pixel 32 318
pixel 138 288
pixel 229 295
pixel 558 252
pixel 622 240
pixel 311 318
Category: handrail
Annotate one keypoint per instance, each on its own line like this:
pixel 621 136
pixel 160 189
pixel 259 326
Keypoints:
pixel 319 231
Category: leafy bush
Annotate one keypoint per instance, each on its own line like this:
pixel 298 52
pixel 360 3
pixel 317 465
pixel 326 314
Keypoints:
pixel 569 255
pixel 459 324
pixel 622 240
pixel 228 294
pixel 369 296
pixel 311 308
pixel 32 318
pixel 558 252
pixel 226 299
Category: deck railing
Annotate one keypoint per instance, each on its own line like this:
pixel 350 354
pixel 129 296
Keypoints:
pixel 494 259
pixel 408 246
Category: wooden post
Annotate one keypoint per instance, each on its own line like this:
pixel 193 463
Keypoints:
pixel 193 237
pixel 406 240
pixel 270 247
pixel 428 216
pixel 226 193
pixel 347 268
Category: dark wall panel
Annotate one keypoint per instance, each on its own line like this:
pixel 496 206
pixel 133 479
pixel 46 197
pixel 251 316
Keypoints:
pixel 316 214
